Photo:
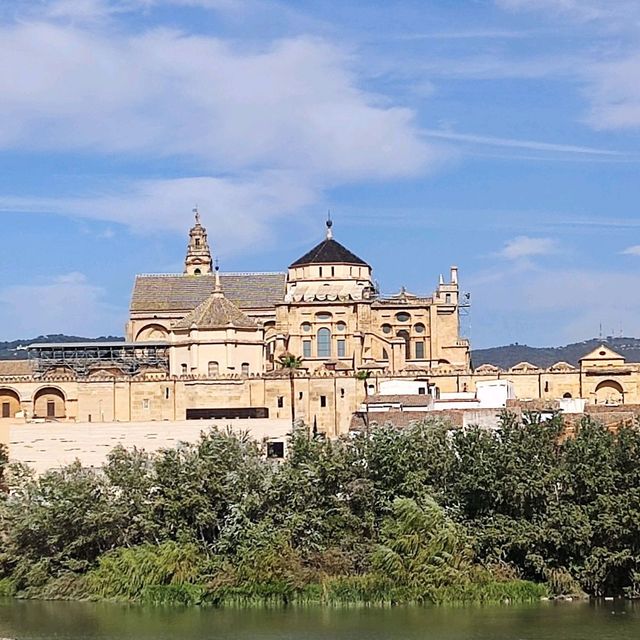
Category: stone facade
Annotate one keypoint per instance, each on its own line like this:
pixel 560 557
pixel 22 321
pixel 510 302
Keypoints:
pixel 226 332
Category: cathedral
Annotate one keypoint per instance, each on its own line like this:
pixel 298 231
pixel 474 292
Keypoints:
pixel 325 309
pixel 205 344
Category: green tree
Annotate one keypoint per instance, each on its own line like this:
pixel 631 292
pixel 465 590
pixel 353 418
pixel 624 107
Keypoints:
pixel 291 363
pixel 364 375
pixel 4 461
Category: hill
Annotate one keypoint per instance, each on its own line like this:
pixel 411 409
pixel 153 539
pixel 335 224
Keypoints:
pixel 510 355
pixel 16 349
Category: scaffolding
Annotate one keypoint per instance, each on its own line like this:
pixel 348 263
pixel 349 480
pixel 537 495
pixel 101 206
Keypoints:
pixel 85 358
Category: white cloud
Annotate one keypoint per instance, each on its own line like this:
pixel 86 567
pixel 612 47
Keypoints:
pixel 614 91
pixel 293 104
pixel 28 310
pixel 526 247
pixel 265 129
pixel 552 306
pixel 238 211
pixel 585 10
pixel 634 250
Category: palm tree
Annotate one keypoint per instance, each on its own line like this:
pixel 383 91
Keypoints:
pixel 291 363
pixel 364 375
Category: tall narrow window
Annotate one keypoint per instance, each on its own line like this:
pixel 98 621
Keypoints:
pixel 419 350
pixel 342 349
pixel 213 368
pixel 333 271
pixel 197 242
pixel 407 343
pixel 306 348
pixel 447 298
pixel 324 343
pixel 320 271
pixel 183 369
pixel 245 369
pixel 323 401
pixel 6 410
pixel 280 402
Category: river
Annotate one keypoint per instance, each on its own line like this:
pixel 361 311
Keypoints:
pixel 29 620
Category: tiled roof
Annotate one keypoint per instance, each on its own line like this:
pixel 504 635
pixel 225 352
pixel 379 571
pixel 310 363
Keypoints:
pixel 407 400
pixel 329 252
pixel 394 418
pixel 15 368
pixel 216 312
pixel 178 292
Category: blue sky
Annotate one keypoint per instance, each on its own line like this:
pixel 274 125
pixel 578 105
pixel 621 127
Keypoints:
pixel 498 135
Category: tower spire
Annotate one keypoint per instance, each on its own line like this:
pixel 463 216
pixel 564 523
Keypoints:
pixel 198 260
pixel 329 224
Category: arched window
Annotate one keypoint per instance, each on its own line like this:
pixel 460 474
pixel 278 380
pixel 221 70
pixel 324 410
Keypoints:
pixel 324 343
pixel 567 395
pixel 196 272
pixel 213 368
pixel 245 369
pixel 407 343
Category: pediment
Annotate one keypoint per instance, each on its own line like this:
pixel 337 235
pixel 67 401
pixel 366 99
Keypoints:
pixel 524 366
pixel 562 366
pixel 487 368
pixel 603 354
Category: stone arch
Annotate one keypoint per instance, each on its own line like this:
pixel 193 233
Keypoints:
pixel 152 332
pixel 567 395
pixel 609 392
pixel 49 402
pixel 9 403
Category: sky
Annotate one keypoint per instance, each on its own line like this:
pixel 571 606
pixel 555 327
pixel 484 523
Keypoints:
pixel 498 135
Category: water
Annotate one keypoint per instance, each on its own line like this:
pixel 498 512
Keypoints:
pixel 544 621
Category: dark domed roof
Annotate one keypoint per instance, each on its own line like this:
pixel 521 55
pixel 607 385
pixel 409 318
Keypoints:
pixel 329 251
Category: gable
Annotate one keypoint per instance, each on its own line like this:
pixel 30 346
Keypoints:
pixel 602 355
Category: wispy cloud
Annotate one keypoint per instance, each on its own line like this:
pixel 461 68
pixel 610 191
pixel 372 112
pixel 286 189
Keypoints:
pixel 516 143
pixel 527 247
pixel 633 250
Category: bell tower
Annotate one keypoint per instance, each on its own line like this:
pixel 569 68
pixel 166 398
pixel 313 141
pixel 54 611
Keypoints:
pixel 198 261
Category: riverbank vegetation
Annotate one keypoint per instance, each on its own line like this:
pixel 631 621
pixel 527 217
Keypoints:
pixel 423 514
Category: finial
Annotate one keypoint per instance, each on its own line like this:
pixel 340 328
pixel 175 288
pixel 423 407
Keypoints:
pixel 329 224
pixel 197 214
pixel 218 288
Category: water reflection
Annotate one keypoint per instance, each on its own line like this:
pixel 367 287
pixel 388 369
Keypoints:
pixel 25 620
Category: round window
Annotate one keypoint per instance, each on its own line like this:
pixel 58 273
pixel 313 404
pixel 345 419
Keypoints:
pixel 386 328
pixel 403 317
pixel 306 327
pixel 341 326
pixel 419 328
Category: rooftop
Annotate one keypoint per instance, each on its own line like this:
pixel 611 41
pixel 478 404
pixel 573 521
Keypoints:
pixel 182 293
pixel 329 251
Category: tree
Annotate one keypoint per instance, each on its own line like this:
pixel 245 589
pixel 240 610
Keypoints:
pixel 291 363
pixel 364 375
pixel 4 461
